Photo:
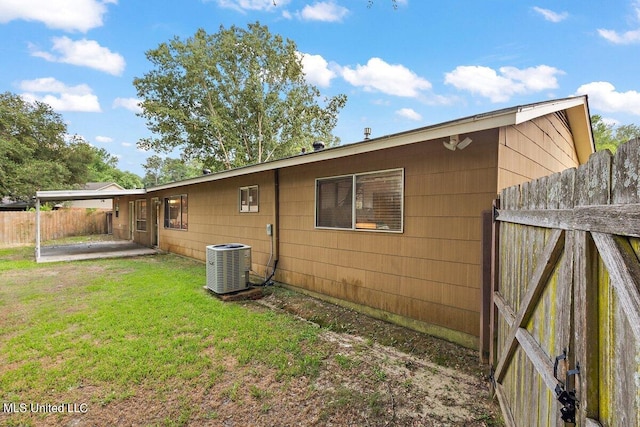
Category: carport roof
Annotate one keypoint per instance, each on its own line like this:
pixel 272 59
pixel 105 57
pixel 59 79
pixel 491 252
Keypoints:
pixel 63 195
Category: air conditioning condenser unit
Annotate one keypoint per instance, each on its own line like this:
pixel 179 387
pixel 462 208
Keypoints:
pixel 228 267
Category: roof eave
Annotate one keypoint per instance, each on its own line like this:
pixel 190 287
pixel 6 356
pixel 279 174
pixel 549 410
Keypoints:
pixel 443 130
pixel 577 109
pixel 576 106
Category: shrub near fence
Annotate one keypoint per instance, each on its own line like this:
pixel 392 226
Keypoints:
pixel 19 228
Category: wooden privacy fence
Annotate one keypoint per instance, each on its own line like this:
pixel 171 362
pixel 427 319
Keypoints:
pixel 565 306
pixel 19 228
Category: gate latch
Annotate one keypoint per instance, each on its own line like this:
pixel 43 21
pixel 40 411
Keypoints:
pixel 568 401
pixel 567 398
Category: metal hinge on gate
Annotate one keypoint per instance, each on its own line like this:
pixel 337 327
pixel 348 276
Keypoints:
pixel 567 398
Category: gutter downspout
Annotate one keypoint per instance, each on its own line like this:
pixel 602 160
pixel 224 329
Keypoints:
pixel 276 214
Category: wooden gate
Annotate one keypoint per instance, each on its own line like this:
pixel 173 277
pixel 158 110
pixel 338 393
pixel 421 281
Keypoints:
pixel 565 306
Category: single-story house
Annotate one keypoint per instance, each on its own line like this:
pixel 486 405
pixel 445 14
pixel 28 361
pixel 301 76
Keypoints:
pixel 390 226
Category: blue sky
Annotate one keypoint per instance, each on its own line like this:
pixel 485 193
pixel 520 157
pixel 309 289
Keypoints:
pixel 421 63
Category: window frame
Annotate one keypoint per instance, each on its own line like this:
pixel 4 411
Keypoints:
pixel 250 205
pixel 166 214
pixel 141 215
pixel 354 177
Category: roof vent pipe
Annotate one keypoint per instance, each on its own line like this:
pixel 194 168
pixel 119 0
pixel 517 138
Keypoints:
pixel 318 145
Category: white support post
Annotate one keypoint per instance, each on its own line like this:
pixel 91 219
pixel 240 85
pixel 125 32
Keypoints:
pixel 37 229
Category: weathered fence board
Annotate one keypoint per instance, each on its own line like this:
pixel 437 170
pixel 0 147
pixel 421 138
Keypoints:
pixel 566 305
pixel 19 228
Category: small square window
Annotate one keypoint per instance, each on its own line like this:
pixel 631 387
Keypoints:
pixel 249 199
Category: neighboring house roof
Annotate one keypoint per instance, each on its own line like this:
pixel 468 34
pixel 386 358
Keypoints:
pixel 101 186
pixel 577 110
pixel 6 204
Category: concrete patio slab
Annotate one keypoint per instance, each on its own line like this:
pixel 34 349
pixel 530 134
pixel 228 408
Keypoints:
pixel 93 250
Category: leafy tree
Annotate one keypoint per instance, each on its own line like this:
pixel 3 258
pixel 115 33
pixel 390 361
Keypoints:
pixel 176 170
pixel 34 153
pixel 152 166
pixel 37 154
pixel 127 179
pixel 233 98
pixel 609 136
pixel 160 171
pixel 103 167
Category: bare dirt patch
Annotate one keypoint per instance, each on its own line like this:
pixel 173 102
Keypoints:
pixel 383 374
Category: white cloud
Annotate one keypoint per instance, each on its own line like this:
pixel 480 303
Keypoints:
pixel 86 53
pixel 324 11
pixel 603 96
pixel 104 139
pixel 131 104
pixel 316 70
pixel 550 15
pixel 60 96
pixel 409 113
pixel 68 15
pixel 377 75
pixel 255 5
pixel 511 81
pixel 628 37
pixel 127 144
pixel 610 122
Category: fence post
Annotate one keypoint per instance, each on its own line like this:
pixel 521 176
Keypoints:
pixel 494 285
pixel 485 308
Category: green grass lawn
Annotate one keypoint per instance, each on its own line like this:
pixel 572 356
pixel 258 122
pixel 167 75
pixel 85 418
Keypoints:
pixel 139 342
pixel 117 325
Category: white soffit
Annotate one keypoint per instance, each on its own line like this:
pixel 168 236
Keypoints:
pixel 533 111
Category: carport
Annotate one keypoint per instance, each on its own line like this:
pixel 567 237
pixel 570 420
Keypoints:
pixel 94 250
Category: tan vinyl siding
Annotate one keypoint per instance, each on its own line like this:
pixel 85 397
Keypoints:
pixel 431 271
pixel 535 149
pixel 214 217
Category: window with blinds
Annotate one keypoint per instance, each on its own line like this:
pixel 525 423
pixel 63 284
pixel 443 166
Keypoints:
pixel 367 201
pixel 176 210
